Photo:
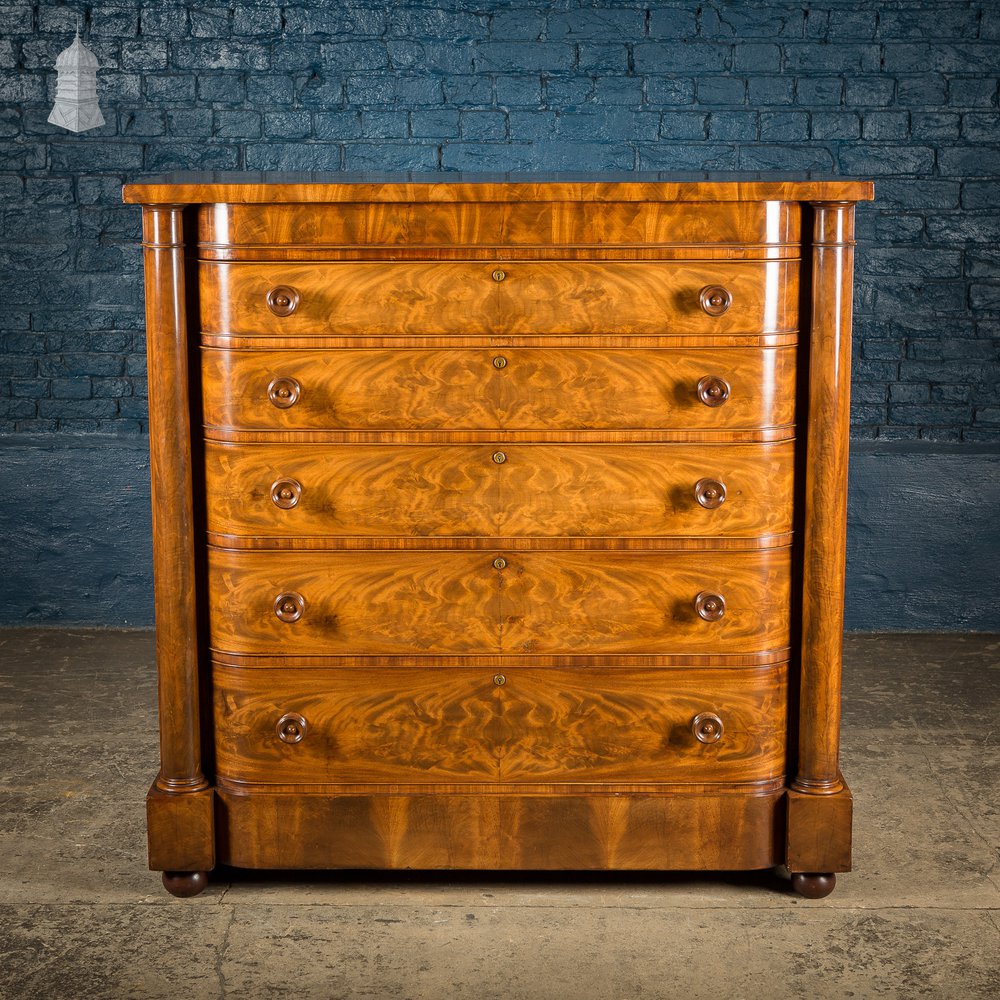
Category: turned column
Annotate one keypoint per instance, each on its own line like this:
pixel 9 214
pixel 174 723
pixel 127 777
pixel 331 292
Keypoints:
pixel 173 518
pixel 825 514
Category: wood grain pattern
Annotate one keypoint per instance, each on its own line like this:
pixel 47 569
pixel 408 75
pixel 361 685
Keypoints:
pixel 171 475
pixel 458 490
pixel 417 725
pixel 825 511
pixel 363 725
pixel 316 187
pixel 490 224
pixel 698 341
pixel 291 657
pixel 181 830
pixel 354 490
pixel 373 602
pixel 535 297
pixel 461 389
pixel 819 831
pixel 678 831
pixel 604 602
pixel 657 252
pixel 423 570
pixel 424 603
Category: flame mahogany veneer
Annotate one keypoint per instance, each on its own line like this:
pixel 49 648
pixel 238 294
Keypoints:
pixel 499 521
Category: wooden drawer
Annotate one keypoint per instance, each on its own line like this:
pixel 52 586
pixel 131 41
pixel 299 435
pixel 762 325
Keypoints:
pixel 307 491
pixel 533 297
pixel 426 603
pixel 421 725
pixel 414 227
pixel 533 388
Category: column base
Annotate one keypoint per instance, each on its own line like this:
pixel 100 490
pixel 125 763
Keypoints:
pixel 818 838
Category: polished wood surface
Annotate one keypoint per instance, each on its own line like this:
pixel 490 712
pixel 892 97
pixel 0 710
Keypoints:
pixel 825 511
pixel 531 297
pixel 424 603
pixel 678 830
pixel 226 229
pixel 273 187
pixel 464 389
pixel 459 490
pixel 502 502
pixel 819 831
pixel 181 829
pixel 605 602
pixel 172 491
pixel 426 725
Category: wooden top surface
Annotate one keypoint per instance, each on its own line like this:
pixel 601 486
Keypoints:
pixel 250 187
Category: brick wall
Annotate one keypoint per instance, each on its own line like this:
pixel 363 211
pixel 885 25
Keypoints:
pixel 905 93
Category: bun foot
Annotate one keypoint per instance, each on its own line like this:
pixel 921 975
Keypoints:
pixel 813 885
pixel 184 884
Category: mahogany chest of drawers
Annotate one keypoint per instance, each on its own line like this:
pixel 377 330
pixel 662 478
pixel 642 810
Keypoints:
pixel 498 522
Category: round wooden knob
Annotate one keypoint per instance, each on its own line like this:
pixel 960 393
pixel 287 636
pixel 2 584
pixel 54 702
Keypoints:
pixel 282 300
pixel 707 728
pixel 710 493
pixel 285 493
pixel 713 390
pixel 284 392
pixel 289 607
pixel 499 274
pixel 499 361
pixel 291 728
pixel 711 607
pixel 715 299
pixel 499 457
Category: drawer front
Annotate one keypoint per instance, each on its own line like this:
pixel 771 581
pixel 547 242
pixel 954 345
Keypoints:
pixel 426 603
pixel 413 725
pixel 590 602
pixel 506 388
pixel 580 490
pixel 288 490
pixel 517 297
pixel 354 603
pixel 410 227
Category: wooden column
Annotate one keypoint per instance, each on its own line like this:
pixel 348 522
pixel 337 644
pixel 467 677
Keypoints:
pixel 825 522
pixel 819 803
pixel 180 802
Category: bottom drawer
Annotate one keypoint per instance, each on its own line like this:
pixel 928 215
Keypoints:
pixel 416 725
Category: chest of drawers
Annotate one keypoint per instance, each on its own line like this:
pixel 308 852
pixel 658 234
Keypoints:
pixel 498 522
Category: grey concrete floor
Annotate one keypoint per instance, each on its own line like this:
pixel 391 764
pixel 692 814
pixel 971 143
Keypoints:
pixel 80 917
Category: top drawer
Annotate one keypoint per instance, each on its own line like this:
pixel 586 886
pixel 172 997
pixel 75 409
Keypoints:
pixel 246 231
pixel 618 298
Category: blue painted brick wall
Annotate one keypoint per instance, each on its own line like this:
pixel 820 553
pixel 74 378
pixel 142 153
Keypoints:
pixel 904 92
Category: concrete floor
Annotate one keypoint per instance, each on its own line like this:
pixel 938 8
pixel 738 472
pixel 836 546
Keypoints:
pixel 80 917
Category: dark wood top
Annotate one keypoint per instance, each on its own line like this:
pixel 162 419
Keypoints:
pixel 207 187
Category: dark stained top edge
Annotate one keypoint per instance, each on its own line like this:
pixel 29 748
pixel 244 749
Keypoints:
pixel 250 187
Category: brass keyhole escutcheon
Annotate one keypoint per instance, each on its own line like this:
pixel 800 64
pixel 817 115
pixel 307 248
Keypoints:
pixel 285 493
pixel 499 457
pixel 710 607
pixel 291 728
pixel 284 392
pixel 707 727
pixel 283 300
pixel 289 607
pixel 499 563
pixel 499 274
pixel 710 493
pixel 500 361
pixel 499 680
